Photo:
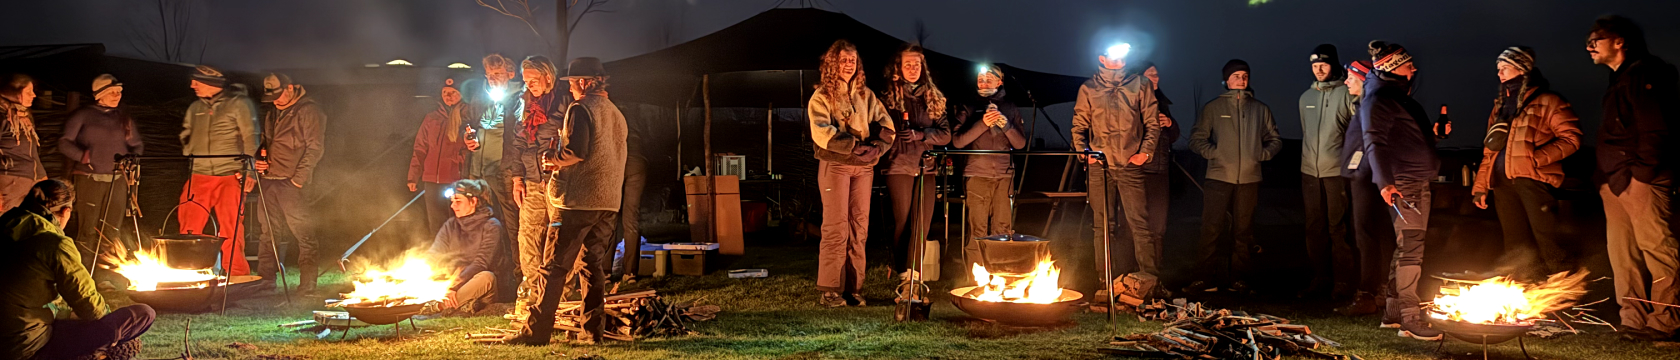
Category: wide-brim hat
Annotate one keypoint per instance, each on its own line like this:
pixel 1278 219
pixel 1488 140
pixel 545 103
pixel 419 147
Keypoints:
pixel 584 67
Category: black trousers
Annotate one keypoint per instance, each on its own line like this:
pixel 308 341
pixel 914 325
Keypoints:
pixel 282 209
pixel 437 206
pixel 1226 208
pixel 1528 218
pixel 584 233
pixel 1123 204
pixel 630 226
pixel 93 197
pixel 1326 212
pixel 907 226
pixel 1373 233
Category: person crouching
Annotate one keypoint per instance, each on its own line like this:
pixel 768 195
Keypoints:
pixel 465 244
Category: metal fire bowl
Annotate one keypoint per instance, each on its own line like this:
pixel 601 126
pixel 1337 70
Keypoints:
pixel 1019 314
pixel 1485 334
pixel 179 297
pixel 188 251
pixel 382 315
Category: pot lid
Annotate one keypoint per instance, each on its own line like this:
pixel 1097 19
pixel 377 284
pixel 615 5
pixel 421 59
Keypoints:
pixel 1012 237
pixel 186 237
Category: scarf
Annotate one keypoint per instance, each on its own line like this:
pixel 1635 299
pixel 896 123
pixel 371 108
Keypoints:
pixel 18 121
pixel 1508 105
pixel 536 112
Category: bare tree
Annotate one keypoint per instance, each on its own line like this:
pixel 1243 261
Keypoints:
pixel 568 14
pixel 174 36
pixel 520 9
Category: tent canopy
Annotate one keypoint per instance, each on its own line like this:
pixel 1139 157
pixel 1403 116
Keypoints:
pixel 774 55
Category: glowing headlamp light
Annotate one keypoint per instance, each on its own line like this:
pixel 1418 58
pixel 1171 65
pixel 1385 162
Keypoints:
pixel 449 193
pixel 1118 51
pixel 495 92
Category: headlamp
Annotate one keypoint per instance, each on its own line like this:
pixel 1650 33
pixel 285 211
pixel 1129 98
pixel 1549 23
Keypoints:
pixel 449 193
pixel 1118 51
pixel 495 92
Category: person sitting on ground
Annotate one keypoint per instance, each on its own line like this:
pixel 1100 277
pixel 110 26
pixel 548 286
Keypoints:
pixel 42 265
pixel 465 245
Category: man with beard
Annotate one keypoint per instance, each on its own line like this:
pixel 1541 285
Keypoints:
pixel 1117 114
pixel 1325 111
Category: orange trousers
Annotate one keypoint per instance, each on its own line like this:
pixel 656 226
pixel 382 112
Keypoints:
pixel 219 194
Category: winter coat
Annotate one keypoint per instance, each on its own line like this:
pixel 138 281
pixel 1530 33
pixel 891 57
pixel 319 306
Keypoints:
pixel 1169 135
pixel 1633 136
pixel 465 245
pixel 95 135
pixel 1399 143
pixel 293 137
pixel 41 265
pixel 20 153
pixel 973 134
pixel 1235 133
pixel 836 130
pixel 591 176
pixel 1352 163
pixel 1116 114
pixel 1544 132
pixel 1326 109
pixel 437 159
pixel 906 155
pixel 524 157
pixel 494 118
pixel 222 125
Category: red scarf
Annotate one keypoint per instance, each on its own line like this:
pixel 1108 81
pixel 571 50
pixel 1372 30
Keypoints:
pixel 536 113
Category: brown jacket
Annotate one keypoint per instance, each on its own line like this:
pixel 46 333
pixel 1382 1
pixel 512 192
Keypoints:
pixel 1116 114
pixel 1542 134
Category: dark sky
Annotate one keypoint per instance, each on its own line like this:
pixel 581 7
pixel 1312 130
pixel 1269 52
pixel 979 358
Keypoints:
pixel 1455 41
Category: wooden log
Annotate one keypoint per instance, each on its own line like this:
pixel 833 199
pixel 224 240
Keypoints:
pixel 1295 329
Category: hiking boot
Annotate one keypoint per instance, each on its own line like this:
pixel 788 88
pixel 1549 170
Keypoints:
pixel 1199 287
pixel 858 297
pixel 1417 329
pixel 1241 288
pixel 830 299
pixel 1363 304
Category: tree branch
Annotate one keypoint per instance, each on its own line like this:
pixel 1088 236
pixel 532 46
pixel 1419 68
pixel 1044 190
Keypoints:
pixel 502 8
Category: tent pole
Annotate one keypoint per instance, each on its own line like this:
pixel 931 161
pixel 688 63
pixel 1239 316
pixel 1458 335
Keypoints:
pixel 710 172
pixel 769 136
pixel 679 113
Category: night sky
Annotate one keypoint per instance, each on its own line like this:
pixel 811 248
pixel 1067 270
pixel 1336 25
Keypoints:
pixel 1455 41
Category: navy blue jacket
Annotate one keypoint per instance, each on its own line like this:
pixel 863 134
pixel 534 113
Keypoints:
pixel 1398 141
pixel 1639 109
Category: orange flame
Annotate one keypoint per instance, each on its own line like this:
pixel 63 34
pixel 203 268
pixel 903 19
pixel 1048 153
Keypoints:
pixel 145 271
pixel 1041 286
pixel 1501 300
pixel 412 281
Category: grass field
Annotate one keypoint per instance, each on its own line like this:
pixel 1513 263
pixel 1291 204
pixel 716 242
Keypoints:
pixel 776 318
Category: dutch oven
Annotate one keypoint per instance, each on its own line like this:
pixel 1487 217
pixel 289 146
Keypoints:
pixel 188 251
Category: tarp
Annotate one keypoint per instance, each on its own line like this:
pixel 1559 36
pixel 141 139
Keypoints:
pixel 786 41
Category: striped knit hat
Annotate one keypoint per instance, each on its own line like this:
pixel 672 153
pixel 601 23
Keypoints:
pixel 1359 68
pixel 1387 56
pixel 1521 57
pixel 209 76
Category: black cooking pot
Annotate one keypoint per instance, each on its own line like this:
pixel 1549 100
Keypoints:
pixel 188 251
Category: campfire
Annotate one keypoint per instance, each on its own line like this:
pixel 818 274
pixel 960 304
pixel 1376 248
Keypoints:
pixel 145 271
pixel 1031 298
pixel 1503 301
pixel 412 281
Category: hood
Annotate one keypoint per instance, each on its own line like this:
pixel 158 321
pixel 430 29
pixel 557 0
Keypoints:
pixel 1161 97
pixel 478 218
pixel 1109 78
pixel 1383 81
pixel 1329 85
pixel 1238 93
pixel 232 91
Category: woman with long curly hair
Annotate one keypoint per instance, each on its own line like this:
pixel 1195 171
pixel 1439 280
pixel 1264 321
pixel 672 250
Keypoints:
pixel 850 130
pixel 918 111
pixel 20 162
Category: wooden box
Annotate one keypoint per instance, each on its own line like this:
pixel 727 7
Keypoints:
pixel 725 221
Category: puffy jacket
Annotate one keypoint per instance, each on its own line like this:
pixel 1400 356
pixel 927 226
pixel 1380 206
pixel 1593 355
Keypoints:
pixel 1544 132
pixel 837 129
pixel 222 125
pixel 1639 108
pixel 1116 114
pixel 1236 132
pixel 437 159
pixel 973 134
pixel 1326 109
pixel 592 173
pixel 293 139
pixel 94 135
pixel 20 153
pixel 1399 143
pixel 524 156
pixel 906 156
pixel 466 245
pixel 41 265
pixel 1169 135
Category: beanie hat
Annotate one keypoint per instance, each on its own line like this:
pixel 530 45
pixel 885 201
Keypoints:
pixel 1387 56
pixel 209 76
pixel 1324 53
pixel 1359 68
pixel 273 85
pixel 103 83
pixel 1231 67
pixel 452 82
pixel 1521 57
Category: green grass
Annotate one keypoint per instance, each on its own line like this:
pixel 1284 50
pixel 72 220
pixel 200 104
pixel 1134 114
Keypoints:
pixel 776 318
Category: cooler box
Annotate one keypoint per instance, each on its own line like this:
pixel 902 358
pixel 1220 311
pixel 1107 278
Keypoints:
pixel 688 262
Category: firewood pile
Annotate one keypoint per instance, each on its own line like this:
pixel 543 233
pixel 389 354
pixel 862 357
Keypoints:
pixel 637 315
pixel 1194 331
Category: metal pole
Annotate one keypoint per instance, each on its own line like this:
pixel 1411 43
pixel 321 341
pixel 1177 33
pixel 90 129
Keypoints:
pixel 1108 261
pixel 769 136
pixel 709 172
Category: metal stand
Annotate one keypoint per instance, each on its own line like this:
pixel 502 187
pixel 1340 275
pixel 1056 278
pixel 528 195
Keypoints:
pixel 1520 345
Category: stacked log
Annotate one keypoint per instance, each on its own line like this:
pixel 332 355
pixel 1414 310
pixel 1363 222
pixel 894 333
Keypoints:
pixel 637 315
pixel 1194 331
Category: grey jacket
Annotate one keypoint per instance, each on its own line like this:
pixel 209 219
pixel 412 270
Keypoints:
pixel 591 176
pixel 293 138
pixel 1235 133
pixel 1326 109
pixel 1110 116
pixel 223 125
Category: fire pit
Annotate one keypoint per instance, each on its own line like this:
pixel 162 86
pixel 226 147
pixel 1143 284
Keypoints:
pixel 1499 309
pixel 390 295
pixel 1033 298
pixel 383 315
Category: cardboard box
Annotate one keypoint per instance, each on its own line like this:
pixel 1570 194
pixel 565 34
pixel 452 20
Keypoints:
pixel 726 220
pixel 688 262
